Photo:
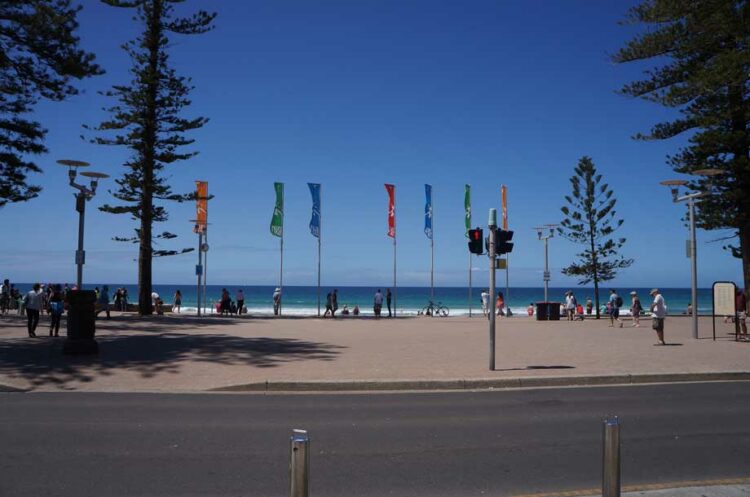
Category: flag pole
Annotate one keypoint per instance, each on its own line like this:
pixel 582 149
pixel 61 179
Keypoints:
pixel 200 270
pixel 281 270
pixel 205 268
pixel 395 288
pixel 469 284
pixel 432 248
pixel 320 234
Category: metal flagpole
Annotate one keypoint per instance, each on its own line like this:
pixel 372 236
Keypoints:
pixel 432 268
pixel 320 230
pixel 395 288
pixel 469 284
pixel 199 270
pixel 205 268
pixel 281 269
pixel 507 288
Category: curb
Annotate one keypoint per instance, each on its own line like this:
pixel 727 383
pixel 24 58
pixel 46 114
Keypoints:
pixel 480 384
pixel 10 389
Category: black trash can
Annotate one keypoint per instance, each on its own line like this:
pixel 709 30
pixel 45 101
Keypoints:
pixel 554 311
pixel 542 313
pixel 81 323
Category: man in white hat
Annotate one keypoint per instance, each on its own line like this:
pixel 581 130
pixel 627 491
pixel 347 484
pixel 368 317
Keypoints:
pixel 659 312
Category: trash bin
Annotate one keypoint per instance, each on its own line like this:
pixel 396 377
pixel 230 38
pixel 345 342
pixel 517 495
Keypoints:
pixel 553 311
pixel 541 311
pixel 81 323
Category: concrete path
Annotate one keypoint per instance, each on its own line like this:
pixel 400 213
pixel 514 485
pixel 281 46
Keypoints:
pixel 172 353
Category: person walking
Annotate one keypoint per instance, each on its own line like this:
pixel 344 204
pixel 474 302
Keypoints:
pixel 500 304
pixel 103 301
pixel 570 305
pixel 740 315
pixel 334 302
pixel 485 302
pixel 5 297
pixel 225 304
pixel 377 303
pixel 615 302
pixel 277 301
pixel 177 301
pixel 659 312
pixel 388 298
pixel 329 304
pixel 56 308
pixel 240 297
pixel 635 309
pixel 33 304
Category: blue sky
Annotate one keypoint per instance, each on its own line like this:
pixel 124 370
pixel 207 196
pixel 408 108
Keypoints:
pixel 357 94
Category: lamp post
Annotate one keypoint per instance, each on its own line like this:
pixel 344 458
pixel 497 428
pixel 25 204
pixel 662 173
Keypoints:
pixel 81 304
pixel 84 194
pixel 540 232
pixel 674 185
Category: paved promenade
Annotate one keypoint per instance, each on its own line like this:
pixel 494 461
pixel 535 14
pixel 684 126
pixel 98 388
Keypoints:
pixel 178 354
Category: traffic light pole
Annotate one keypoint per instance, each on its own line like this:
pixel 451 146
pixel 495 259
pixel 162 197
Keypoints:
pixel 492 236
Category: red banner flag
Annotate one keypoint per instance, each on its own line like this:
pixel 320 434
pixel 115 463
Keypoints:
pixel 504 192
pixel 391 189
pixel 201 206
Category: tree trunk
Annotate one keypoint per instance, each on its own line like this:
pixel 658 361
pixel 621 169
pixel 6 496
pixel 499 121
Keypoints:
pixel 745 250
pixel 145 258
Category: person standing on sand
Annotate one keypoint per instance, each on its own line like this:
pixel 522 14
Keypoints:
pixel 615 302
pixel 277 301
pixel 388 297
pixel 377 303
pixel 5 297
pixel 570 305
pixel 334 302
pixel 589 306
pixel 485 302
pixel 240 297
pixel 659 312
pixel 329 304
pixel 177 301
pixel 635 309
pixel 33 304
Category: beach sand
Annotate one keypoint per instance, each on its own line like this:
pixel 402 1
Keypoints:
pixel 181 353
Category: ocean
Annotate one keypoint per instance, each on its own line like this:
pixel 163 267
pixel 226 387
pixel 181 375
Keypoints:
pixel 302 300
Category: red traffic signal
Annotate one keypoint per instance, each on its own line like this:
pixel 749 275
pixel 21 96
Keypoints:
pixel 475 241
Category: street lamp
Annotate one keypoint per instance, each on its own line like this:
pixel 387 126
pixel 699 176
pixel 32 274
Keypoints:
pixel 540 232
pixel 674 185
pixel 84 194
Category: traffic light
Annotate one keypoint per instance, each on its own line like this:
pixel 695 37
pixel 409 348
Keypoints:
pixel 502 242
pixel 475 241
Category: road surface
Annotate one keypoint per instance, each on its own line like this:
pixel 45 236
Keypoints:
pixel 405 444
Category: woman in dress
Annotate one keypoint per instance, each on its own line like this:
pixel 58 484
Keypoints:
pixel 177 301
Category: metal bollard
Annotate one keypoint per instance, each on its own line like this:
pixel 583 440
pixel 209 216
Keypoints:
pixel 611 458
pixel 299 463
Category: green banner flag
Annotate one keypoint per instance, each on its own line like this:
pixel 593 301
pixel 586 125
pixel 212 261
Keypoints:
pixel 277 221
pixel 467 208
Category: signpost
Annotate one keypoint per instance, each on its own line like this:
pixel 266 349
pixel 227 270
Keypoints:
pixel 723 293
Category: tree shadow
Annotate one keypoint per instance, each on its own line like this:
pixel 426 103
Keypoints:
pixel 41 362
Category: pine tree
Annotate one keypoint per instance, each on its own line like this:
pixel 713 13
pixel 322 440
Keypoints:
pixel 39 58
pixel 703 68
pixel 147 119
pixel 590 220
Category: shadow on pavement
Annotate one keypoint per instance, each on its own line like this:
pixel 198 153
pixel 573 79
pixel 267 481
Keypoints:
pixel 40 361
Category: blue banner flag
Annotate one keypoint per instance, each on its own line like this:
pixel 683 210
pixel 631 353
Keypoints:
pixel 315 220
pixel 428 211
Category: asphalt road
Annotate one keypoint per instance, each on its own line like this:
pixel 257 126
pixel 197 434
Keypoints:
pixel 437 444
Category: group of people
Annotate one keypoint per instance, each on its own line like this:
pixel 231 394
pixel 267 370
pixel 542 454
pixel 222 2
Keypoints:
pixel 500 308
pixel 41 298
pixel 332 304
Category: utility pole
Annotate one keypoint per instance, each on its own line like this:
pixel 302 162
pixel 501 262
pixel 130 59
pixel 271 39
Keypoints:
pixel 492 227
pixel 540 232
